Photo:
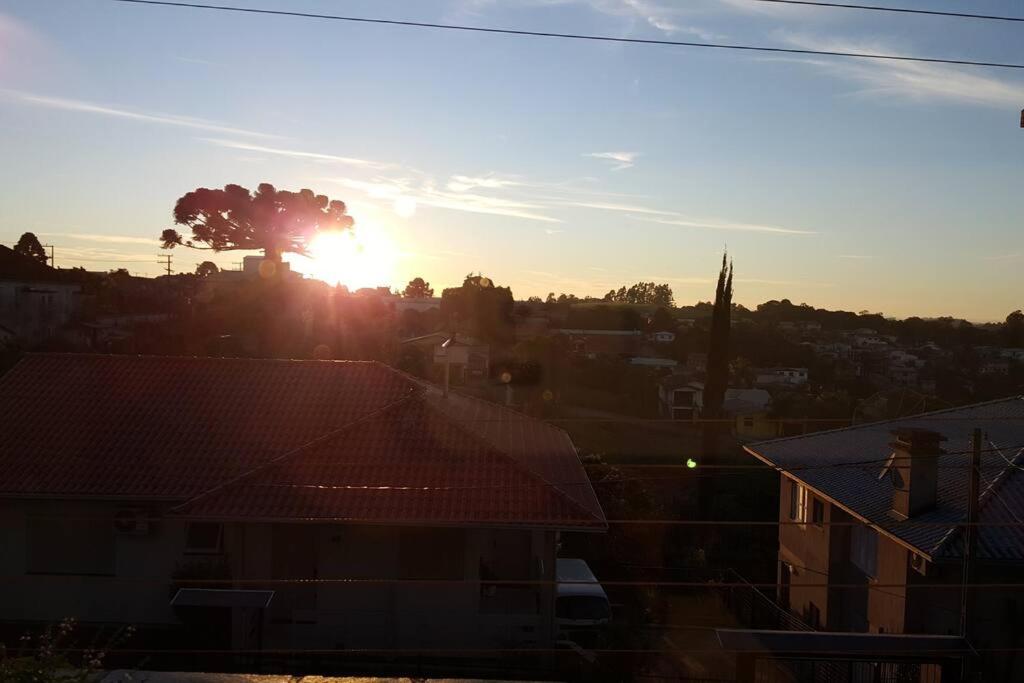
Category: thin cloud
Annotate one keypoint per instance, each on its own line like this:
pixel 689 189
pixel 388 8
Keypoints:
pixel 783 283
pixel 856 256
pixel 915 81
pixel 613 206
pixel 462 183
pixel 296 154
pixel 724 225
pixel 426 194
pixel 93 237
pixel 84 107
pixel 622 160
pixel 549 231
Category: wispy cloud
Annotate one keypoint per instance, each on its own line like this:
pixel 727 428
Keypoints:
pixel 856 256
pixel 913 81
pixel 622 160
pixel 462 183
pixel 424 193
pixel 297 154
pixel 111 239
pixel 713 224
pixel 84 107
pixel 783 283
pixel 549 231
pixel 613 206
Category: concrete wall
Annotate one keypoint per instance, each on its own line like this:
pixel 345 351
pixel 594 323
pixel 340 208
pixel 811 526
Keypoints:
pixel 133 580
pixel 398 612
pixel 806 546
pixel 127 594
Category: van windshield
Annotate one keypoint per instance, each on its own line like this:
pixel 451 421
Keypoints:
pixel 579 607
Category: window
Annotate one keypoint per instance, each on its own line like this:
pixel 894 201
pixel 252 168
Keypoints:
pixel 432 553
pixel 797 502
pixel 864 550
pixel 203 538
pixel 71 545
pixel 818 512
pixel 748 422
pixel 812 615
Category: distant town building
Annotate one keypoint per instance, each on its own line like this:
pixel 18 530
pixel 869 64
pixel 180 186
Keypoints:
pixel 790 376
pixel 36 301
pixel 594 343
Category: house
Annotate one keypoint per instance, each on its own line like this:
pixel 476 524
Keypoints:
pixel 680 398
pixel 1013 355
pixel 697 363
pixel 870 525
pixel 663 337
pixel 36 301
pixel 750 410
pixel 995 367
pixel 464 357
pixel 595 343
pixel 360 506
pixel 770 376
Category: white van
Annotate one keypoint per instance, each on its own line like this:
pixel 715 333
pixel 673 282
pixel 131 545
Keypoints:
pixel 581 605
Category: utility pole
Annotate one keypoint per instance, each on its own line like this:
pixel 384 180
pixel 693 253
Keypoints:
pixel 53 264
pixel 165 261
pixel 970 542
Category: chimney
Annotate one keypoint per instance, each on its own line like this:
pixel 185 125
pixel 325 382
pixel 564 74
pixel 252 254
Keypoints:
pixel 914 470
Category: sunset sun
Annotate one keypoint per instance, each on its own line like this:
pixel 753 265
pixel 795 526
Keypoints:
pixel 362 258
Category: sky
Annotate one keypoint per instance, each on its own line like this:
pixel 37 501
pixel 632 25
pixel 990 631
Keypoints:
pixel 548 165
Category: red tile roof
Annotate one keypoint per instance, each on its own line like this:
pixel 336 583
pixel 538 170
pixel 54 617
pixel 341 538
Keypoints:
pixel 282 440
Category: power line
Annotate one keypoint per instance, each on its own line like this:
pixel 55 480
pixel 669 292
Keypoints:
pixel 901 10
pixel 572 36
pixel 614 583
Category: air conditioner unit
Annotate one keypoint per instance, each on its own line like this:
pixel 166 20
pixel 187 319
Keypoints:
pixel 132 521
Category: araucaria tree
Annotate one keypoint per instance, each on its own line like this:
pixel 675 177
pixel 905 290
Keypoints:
pixel 717 380
pixel 273 221
pixel 28 245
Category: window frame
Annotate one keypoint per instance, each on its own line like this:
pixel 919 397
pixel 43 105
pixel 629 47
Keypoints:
pixel 217 549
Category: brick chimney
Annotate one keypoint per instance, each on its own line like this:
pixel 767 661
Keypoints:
pixel 914 470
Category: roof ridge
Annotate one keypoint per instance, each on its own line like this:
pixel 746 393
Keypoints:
pixel 314 443
pixel 521 466
pixel 219 359
pixel 890 420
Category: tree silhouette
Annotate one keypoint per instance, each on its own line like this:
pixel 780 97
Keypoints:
pixel 29 245
pixel 207 268
pixel 718 345
pixel 271 220
pixel 642 293
pixel 418 289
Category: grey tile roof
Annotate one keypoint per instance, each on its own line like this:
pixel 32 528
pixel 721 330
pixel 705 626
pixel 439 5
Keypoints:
pixel 833 463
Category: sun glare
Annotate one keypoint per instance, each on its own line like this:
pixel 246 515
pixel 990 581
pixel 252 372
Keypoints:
pixel 361 258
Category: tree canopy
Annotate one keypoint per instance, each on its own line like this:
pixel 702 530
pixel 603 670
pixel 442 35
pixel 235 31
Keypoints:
pixel 271 220
pixel 29 245
pixel 207 268
pixel 418 288
pixel 642 293
pixel 481 308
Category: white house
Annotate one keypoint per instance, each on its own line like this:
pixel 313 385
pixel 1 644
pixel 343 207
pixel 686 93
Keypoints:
pixel 36 301
pixel 793 376
pixel 312 504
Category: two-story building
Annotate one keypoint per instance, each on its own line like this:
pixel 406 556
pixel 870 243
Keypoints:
pixel 871 535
